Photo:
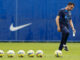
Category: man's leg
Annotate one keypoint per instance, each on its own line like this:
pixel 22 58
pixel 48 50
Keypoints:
pixel 65 34
pixel 64 45
pixel 66 38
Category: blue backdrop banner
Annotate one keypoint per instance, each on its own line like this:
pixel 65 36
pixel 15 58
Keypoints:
pixel 34 20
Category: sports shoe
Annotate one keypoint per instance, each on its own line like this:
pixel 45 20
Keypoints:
pixel 65 47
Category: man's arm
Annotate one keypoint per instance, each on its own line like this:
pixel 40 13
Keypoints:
pixel 57 23
pixel 60 13
pixel 72 26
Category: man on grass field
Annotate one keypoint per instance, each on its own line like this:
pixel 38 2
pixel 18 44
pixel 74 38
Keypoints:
pixel 63 21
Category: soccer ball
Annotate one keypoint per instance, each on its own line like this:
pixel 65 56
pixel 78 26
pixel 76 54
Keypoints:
pixel 11 53
pixel 58 53
pixel 30 53
pixel 21 53
pixel 1 53
pixel 39 53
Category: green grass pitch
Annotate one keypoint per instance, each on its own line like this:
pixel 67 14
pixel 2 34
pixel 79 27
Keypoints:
pixel 48 49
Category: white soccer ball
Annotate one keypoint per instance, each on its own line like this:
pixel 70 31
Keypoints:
pixel 30 53
pixel 11 53
pixel 39 53
pixel 21 53
pixel 58 53
pixel 1 53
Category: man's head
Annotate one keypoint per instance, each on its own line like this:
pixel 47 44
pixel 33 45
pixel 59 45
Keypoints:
pixel 70 6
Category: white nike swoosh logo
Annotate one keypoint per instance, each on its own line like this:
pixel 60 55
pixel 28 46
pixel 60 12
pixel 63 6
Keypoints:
pixel 12 28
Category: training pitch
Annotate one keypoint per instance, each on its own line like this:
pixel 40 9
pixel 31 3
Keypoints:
pixel 47 48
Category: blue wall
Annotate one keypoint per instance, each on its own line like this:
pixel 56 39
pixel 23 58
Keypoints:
pixel 41 13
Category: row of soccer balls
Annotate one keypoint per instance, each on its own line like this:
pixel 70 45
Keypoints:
pixel 30 53
pixel 21 53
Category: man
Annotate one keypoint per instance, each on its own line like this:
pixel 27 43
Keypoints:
pixel 63 20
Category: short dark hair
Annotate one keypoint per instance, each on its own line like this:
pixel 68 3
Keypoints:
pixel 70 3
